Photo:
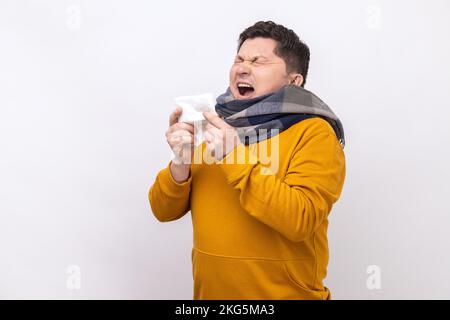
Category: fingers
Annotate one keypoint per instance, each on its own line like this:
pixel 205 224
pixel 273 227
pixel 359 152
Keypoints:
pixel 181 126
pixel 175 115
pixel 215 120
pixel 181 133
pixel 180 138
pixel 209 138
pixel 213 130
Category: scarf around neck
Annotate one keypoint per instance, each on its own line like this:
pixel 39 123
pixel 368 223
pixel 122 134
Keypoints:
pixel 254 118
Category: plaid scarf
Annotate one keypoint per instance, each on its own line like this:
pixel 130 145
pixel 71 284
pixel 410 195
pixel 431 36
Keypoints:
pixel 254 118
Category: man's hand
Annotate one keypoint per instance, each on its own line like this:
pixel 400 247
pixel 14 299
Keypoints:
pixel 220 137
pixel 180 137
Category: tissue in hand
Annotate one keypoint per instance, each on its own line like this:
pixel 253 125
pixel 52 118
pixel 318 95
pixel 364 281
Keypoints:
pixel 193 106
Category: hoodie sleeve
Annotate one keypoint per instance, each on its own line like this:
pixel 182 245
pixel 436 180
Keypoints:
pixel 296 204
pixel 169 200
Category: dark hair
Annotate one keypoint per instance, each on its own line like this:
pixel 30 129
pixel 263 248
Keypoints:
pixel 290 48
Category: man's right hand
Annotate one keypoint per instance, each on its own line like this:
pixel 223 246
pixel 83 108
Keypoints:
pixel 180 137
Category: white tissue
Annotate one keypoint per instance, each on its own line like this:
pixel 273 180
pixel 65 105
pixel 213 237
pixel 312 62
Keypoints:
pixel 193 106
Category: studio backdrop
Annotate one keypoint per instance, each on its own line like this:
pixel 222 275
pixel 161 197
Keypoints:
pixel 86 89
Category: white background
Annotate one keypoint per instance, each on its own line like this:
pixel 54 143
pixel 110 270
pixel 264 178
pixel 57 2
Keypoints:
pixel 86 88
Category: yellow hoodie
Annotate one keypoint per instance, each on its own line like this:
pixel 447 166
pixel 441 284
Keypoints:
pixel 259 232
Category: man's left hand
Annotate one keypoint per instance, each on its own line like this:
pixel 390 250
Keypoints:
pixel 220 137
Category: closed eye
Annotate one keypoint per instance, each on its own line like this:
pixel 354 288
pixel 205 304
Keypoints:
pixel 238 60
pixel 255 60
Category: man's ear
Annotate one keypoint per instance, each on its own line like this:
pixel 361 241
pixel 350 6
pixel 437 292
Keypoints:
pixel 296 79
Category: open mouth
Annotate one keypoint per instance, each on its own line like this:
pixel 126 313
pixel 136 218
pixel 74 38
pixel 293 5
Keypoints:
pixel 245 89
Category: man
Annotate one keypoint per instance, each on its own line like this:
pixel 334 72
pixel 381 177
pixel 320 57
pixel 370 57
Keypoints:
pixel 258 234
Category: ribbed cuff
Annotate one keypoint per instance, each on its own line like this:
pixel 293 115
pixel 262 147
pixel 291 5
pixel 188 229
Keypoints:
pixel 171 187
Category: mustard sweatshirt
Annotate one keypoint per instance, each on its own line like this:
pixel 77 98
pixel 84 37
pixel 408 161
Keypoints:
pixel 259 232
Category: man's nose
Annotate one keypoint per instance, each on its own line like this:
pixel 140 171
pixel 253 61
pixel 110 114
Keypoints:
pixel 243 68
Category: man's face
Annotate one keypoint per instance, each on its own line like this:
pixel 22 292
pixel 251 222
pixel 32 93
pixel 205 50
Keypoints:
pixel 257 70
